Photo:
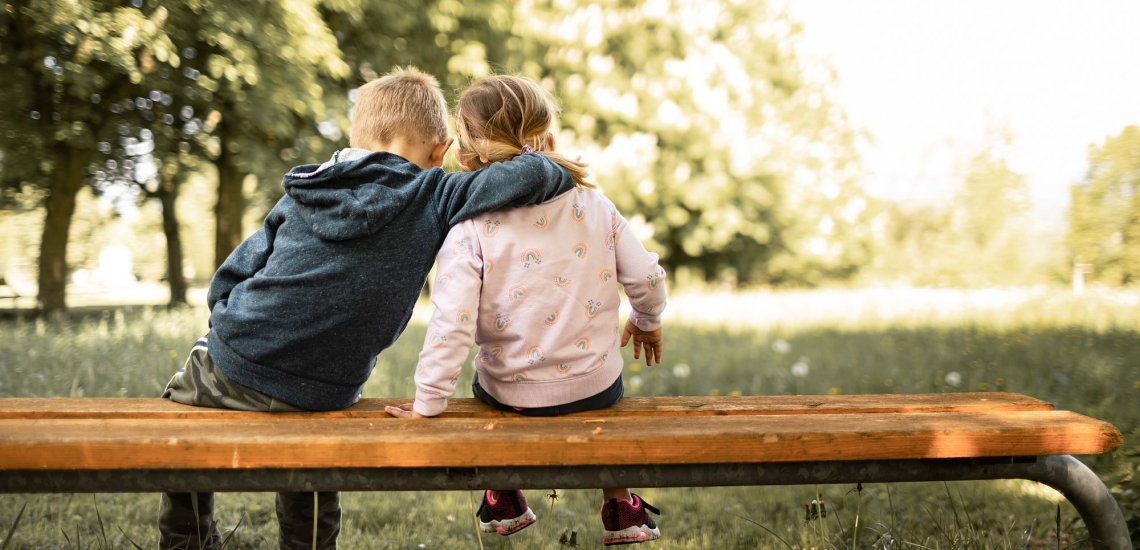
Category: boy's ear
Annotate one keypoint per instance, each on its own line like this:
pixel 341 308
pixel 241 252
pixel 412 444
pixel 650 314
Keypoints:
pixel 439 151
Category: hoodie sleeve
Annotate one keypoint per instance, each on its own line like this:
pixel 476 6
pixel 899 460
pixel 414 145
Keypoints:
pixel 246 260
pixel 640 274
pixel 530 178
pixel 450 333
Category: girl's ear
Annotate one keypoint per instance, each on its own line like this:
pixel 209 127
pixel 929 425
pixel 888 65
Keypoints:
pixel 550 143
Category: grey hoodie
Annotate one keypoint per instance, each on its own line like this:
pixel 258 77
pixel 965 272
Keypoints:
pixel 300 310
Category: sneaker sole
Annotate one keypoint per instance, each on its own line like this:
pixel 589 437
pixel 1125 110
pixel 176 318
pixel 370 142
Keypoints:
pixel 509 526
pixel 632 535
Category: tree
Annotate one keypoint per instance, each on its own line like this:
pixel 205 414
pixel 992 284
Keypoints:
pixel 65 65
pixel 704 127
pixel 250 95
pixel 1104 219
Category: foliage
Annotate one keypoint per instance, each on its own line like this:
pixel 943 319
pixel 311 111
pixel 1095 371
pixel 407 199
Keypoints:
pixel 985 235
pixel 706 130
pixel 1104 220
pixel 67 66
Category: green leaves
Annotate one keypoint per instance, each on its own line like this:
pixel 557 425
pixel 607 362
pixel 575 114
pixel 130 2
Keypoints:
pixel 1104 219
pixel 704 128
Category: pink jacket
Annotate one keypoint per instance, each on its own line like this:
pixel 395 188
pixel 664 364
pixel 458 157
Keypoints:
pixel 536 288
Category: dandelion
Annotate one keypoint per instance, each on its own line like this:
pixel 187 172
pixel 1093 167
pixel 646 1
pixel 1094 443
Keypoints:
pixel 800 369
pixel 681 370
pixel 714 392
pixel 635 383
pixel 781 346
pixel 734 393
pixel 834 391
pixel 636 367
pixel 888 382
pixel 952 378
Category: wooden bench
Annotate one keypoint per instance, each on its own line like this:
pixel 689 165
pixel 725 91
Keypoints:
pixel 151 445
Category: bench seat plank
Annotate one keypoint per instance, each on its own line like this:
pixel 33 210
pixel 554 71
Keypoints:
pixel 152 408
pixel 308 441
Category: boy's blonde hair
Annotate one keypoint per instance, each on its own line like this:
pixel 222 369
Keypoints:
pixel 497 117
pixel 404 102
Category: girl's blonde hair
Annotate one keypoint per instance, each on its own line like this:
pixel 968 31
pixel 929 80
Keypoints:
pixel 499 117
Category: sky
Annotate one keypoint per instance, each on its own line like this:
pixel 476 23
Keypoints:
pixel 927 78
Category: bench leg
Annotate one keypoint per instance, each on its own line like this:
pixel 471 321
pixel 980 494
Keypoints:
pixel 1089 496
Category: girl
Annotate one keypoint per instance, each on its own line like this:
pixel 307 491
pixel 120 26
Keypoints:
pixel 538 286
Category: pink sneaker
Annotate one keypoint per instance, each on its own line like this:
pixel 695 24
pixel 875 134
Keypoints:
pixel 628 522
pixel 507 515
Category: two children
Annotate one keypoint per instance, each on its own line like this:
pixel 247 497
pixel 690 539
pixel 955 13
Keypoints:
pixel 537 285
pixel 300 310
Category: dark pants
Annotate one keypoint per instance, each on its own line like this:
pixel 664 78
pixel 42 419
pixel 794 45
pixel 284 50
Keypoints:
pixel 186 520
pixel 606 398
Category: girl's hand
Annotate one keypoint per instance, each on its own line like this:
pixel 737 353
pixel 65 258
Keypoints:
pixel 403 411
pixel 651 341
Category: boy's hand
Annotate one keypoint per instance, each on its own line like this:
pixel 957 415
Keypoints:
pixel 403 411
pixel 651 341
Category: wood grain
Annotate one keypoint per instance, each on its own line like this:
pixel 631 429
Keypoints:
pixel 141 408
pixel 312 441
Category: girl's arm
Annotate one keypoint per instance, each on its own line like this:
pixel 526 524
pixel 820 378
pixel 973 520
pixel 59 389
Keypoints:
pixel 644 282
pixel 455 294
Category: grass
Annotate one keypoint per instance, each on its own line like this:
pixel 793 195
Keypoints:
pixel 1080 353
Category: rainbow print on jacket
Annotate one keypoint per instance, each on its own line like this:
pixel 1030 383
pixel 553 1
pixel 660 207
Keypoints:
pixel 611 239
pixel 501 322
pixel 579 213
pixel 579 250
pixel 516 292
pixel 583 344
pixel 496 351
pixel 563 368
pixel 443 281
pixel 491 228
pixel 437 339
pixel 463 246
pixel 605 275
pixel 535 353
pixel 652 282
pixel 530 256
pixel 551 320
pixel 462 316
pixel 561 282
pixel 488 265
pixel 541 223
pixel 519 377
pixel 592 308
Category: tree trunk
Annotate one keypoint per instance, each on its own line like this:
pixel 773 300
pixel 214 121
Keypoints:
pixel 66 181
pixel 170 228
pixel 231 205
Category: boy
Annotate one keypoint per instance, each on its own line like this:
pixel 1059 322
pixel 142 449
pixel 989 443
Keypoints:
pixel 300 310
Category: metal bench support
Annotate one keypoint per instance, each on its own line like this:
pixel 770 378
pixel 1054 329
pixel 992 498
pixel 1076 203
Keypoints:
pixel 1092 500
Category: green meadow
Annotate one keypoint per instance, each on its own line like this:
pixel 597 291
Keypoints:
pixel 1080 352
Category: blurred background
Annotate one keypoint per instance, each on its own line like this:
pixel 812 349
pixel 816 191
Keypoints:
pixel 753 145
pixel 849 196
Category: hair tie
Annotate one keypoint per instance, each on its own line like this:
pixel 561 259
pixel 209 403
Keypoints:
pixel 527 148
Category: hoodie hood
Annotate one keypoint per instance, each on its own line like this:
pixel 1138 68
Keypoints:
pixel 355 194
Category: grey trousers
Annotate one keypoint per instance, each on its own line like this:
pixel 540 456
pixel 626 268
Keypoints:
pixel 186 520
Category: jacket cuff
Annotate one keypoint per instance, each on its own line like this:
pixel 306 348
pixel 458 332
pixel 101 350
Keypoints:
pixel 428 404
pixel 646 321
